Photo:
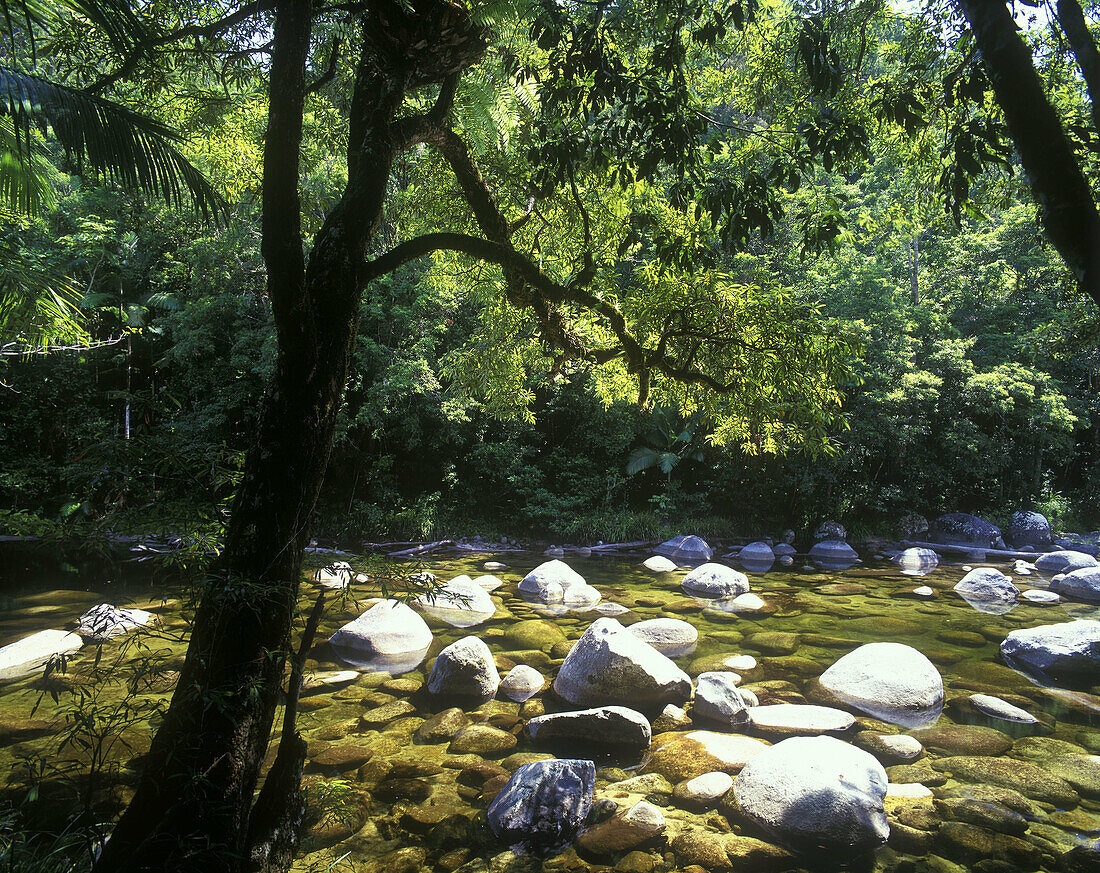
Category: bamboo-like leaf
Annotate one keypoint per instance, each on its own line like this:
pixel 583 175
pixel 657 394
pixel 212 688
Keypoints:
pixel 24 184
pixel 130 148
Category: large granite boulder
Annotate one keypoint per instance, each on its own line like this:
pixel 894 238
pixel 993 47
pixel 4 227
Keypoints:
pixel 715 580
pixel 689 549
pixel 960 529
pixel 1028 528
pixel 609 665
pixel 104 622
pixel 1067 652
pixel 757 557
pixel 601 726
pixel 522 683
pixel 1082 584
pixel 337 575
pixel 462 602
pixel 556 582
pixel 465 670
pixel 669 636
pixel 987 584
pixel 833 555
pixel 1065 561
pixel 388 636
pixel 816 794
pixel 30 653
pixel 543 805
pixel 891 681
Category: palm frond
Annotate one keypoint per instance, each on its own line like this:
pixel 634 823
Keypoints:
pixel 116 18
pixel 24 183
pixel 130 148
pixel 38 302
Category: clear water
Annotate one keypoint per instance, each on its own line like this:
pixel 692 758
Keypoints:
pixel 382 798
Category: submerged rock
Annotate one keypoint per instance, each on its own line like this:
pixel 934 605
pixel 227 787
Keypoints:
pixel 799 719
pixel 1066 651
pixel 543 805
pixel 890 681
pixel 680 756
pixel 816 794
pixel 557 582
pixel 685 548
pixel 715 580
pixel 602 726
pixel 388 636
pixel 1028 779
pixel 609 665
pixel 465 669
pixel 995 707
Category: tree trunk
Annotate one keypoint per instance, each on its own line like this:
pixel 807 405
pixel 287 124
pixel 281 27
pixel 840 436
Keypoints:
pixel 1076 28
pixel 192 806
pixel 1066 206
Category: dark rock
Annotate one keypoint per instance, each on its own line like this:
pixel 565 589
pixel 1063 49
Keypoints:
pixel 960 529
pixel 543 804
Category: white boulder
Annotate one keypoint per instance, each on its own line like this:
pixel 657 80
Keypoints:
pixel 609 665
pixel 103 622
pixel 891 681
pixel 389 635
pixel 522 683
pixel 659 564
pixel 601 726
pixel 28 654
pixel 1083 584
pixel 718 699
pixel 557 582
pixel 466 670
pixel 816 794
pixel 1070 650
pixel 987 584
pixel 715 580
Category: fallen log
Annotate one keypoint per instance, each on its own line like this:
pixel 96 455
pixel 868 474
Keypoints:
pixel 422 549
pixel 971 552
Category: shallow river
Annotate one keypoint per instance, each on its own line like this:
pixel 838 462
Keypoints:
pixel 391 791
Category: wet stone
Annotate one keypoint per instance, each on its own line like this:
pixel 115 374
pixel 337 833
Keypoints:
pixel 774 642
pixel 442 726
pixel 984 813
pixel 386 713
pixel 959 739
pixel 1028 779
pixel 480 739
pixel 969 844
pixel 908 774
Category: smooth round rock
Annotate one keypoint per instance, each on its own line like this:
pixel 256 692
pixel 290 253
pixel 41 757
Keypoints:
pixel 481 739
pixel 105 622
pixel 800 719
pixel 1028 779
pixel 670 636
pixel 816 794
pixel 994 707
pixel 716 581
pixel 556 582
pixel 1064 561
pixel 891 681
pixel 987 583
pixel 522 683
pixel 601 726
pixel 30 653
pixel 833 554
pixel 758 553
pixel 703 790
pixel 718 699
pixel 964 740
pixel 747 602
pixel 916 561
pixel 389 633
pixel 460 602
pixel 1042 596
pixel 1027 528
pixel 465 669
pixel 533 633
pixel 1083 584
pixel 659 564
pixel 609 665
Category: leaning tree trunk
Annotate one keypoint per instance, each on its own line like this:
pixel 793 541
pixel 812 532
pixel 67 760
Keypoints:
pixel 1066 205
pixel 192 806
